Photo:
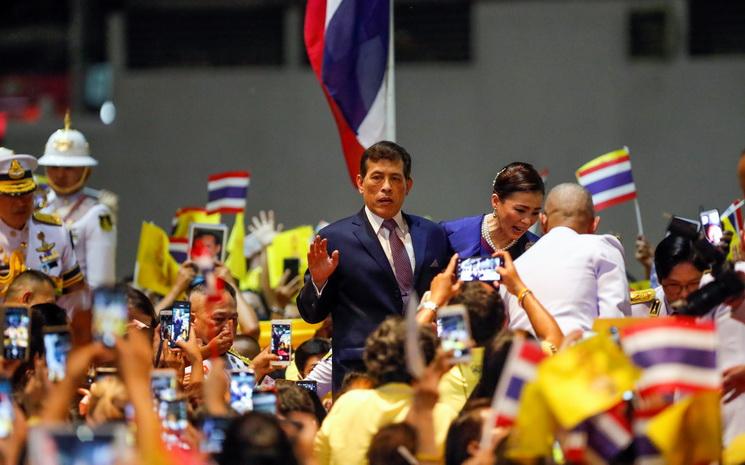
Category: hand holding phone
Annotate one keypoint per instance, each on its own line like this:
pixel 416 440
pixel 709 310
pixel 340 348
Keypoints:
pixel 180 323
pixel 281 343
pixel 712 225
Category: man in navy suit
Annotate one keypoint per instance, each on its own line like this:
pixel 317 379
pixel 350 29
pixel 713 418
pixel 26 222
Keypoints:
pixel 380 257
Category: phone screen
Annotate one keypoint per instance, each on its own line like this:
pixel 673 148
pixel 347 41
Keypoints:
pixel 282 342
pixel 265 401
pixel 455 336
pixel 712 225
pixel 213 434
pixel 15 333
pixel 173 414
pixel 479 269
pixel 181 318
pixel 242 384
pixel 56 347
pixel 85 448
pixel 292 264
pixel 308 385
pixel 163 384
pixel 109 315
pixel 166 324
pixel 6 408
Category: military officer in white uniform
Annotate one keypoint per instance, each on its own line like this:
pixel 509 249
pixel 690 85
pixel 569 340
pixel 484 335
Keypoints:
pixel 28 239
pixel 68 165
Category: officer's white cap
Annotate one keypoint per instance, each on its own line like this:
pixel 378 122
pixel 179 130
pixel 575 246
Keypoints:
pixel 67 147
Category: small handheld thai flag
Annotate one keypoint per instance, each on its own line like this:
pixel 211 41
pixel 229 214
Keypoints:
pixel 678 355
pixel 608 178
pixel 520 368
pixel 602 436
pixel 347 42
pixel 227 192
pixel 734 215
pixel 178 246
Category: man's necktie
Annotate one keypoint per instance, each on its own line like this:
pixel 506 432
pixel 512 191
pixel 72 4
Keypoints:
pixel 401 261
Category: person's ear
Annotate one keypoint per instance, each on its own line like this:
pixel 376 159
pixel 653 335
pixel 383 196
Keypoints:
pixel 26 298
pixel 595 224
pixel 494 201
pixel 544 222
pixel 359 184
pixel 472 448
pixel 409 185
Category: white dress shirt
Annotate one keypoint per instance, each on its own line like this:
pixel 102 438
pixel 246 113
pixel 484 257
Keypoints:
pixel 382 233
pixel 577 278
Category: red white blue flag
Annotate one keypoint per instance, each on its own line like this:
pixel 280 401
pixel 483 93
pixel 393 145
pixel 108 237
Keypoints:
pixel 227 192
pixel 678 355
pixel 609 179
pixel 347 42
pixel 734 215
pixel 521 367
pixel 179 248
pixel 600 438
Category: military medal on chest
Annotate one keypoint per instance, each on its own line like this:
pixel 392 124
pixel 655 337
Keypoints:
pixel 49 258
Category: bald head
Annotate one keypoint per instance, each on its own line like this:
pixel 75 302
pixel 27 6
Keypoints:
pixel 569 205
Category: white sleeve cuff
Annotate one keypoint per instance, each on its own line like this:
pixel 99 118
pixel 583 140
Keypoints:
pixel 319 291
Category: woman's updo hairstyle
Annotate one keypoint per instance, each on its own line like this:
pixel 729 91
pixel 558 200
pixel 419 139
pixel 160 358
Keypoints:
pixel 517 177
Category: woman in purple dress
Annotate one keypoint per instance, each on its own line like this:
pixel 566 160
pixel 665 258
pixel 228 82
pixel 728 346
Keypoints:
pixel 516 200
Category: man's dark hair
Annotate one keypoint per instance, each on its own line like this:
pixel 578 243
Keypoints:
pixel 384 445
pixel 26 278
pixel 495 357
pixel 199 233
pixel 674 250
pixel 384 353
pixel 485 310
pixel 311 347
pixel 291 398
pixel 256 438
pixel 386 150
pixel 201 288
pixel 137 299
pixel 464 429
pixel 517 177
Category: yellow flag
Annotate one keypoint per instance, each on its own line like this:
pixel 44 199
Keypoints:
pixel 293 243
pixel 689 432
pixel 532 435
pixel 734 454
pixel 156 268
pixel 236 262
pixel 586 379
pixel 735 244
pixel 186 216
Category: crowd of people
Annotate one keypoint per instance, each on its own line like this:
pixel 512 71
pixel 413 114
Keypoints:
pixel 82 384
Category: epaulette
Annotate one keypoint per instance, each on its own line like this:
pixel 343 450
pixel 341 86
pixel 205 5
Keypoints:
pixel 46 218
pixel 642 296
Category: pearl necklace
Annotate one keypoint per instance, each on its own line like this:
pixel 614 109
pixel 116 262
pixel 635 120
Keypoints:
pixel 487 237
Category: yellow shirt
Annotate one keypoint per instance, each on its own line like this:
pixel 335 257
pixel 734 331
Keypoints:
pixel 356 416
pixel 458 383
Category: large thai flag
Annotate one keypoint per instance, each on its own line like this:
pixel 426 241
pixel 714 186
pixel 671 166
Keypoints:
pixel 227 192
pixel 521 367
pixel 347 43
pixel 609 179
pixel 678 355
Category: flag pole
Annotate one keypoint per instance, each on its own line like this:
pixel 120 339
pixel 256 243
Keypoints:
pixel 390 88
pixel 638 217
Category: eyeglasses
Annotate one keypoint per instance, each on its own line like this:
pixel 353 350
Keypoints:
pixel 677 288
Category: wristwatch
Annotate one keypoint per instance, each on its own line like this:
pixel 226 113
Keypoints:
pixel 429 305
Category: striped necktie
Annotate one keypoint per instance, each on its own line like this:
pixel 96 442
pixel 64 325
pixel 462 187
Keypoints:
pixel 401 261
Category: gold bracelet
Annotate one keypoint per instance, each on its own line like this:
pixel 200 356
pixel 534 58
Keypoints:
pixel 521 296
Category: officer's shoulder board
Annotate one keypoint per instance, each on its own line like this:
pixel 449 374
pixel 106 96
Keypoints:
pixel 647 296
pixel 45 218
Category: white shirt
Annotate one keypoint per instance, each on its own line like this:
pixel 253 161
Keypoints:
pixel 730 352
pixel 577 278
pixel 382 233
pixel 93 234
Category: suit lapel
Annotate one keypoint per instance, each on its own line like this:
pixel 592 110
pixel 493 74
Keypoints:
pixel 419 241
pixel 365 234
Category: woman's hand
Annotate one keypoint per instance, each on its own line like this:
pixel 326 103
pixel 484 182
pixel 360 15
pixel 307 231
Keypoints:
pixel 508 274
